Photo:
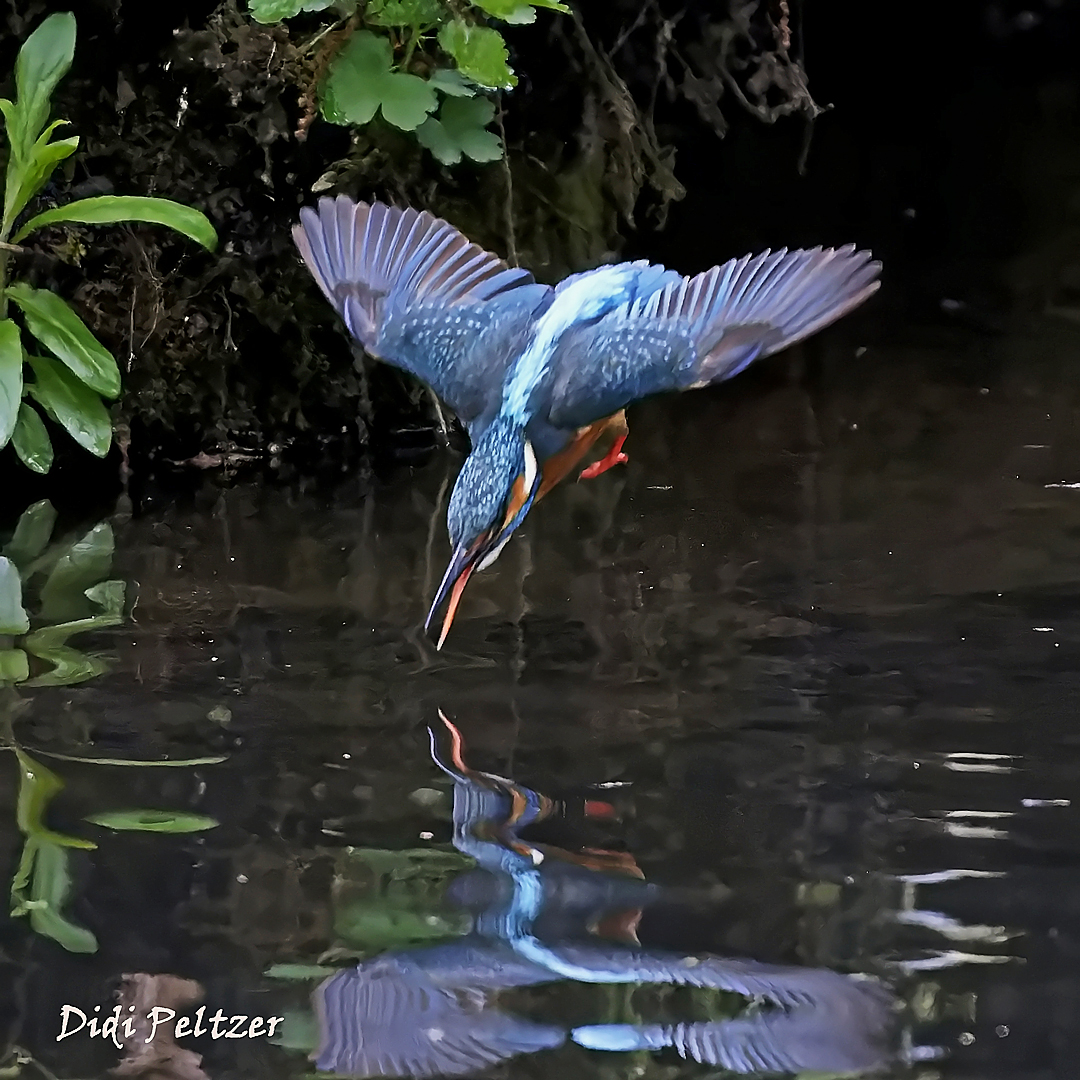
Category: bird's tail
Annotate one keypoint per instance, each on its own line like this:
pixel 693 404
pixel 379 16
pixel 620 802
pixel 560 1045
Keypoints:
pixel 367 256
pixel 757 305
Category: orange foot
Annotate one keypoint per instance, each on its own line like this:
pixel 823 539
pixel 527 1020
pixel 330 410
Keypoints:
pixel 614 457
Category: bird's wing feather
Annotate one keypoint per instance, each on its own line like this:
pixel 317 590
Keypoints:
pixel 416 293
pixel 704 329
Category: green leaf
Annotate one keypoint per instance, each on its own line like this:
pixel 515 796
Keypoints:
pixel 11 379
pixel 64 334
pixel 87 562
pixel 162 821
pixel 272 11
pixel 361 81
pixel 31 534
pixel 480 54
pixel 176 763
pixel 518 11
pixel 35 171
pixel 37 786
pixel 299 972
pixel 13 618
pixel 451 82
pixel 31 440
pixel 69 666
pixel 14 667
pixel 43 61
pixel 109 596
pixel 108 209
pixel 417 14
pixel 72 404
pixel 49 893
pixel 460 130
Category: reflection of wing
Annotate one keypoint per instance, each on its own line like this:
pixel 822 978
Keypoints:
pixel 703 329
pixel 600 963
pixel 388 1018
pixel 846 1030
pixel 417 294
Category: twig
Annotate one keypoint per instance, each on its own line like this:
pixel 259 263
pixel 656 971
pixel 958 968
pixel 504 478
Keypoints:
pixel 511 236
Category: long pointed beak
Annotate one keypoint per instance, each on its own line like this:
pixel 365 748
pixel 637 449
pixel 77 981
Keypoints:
pixel 462 564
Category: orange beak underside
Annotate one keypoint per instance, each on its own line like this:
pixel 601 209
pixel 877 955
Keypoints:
pixel 451 608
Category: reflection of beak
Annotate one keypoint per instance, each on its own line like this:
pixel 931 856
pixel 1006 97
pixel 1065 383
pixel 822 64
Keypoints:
pixel 462 564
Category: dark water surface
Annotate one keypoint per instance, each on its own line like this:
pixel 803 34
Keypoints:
pixel 819 640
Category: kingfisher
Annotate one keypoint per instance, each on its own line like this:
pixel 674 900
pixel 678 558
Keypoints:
pixel 538 374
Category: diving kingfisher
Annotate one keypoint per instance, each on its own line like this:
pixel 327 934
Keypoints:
pixel 538 374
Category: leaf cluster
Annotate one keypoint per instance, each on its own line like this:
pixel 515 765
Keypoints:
pixel 69 382
pixel 73 594
pixel 412 60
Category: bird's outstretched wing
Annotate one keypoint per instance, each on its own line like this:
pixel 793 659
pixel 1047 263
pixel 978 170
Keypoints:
pixel 416 293
pixel 704 329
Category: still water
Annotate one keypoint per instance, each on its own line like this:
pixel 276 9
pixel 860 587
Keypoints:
pixel 784 714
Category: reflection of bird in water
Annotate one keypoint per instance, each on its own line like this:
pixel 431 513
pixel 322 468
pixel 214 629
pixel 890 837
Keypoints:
pixel 538 374
pixel 432 1011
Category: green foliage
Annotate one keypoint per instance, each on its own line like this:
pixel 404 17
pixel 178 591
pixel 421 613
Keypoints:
pixel 70 391
pixel 396 56
pixel 480 54
pixel 75 595
pixel 13 617
pixel 460 130
pixel 363 81
pixel 415 14
pixel 42 882
pixel 272 11
pixel 518 11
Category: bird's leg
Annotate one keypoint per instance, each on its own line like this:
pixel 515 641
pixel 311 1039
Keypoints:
pixel 615 455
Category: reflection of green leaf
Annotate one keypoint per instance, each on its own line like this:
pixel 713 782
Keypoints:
pixel 177 763
pixel 49 891
pixel 72 404
pixel 63 596
pixel 480 54
pixel 69 666
pixel 162 821
pixel 301 1032
pixel 299 972
pixel 37 786
pixel 31 440
pixel 390 899
pixel 451 82
pixel 414 13
pixel 361 81
pixel 108 595
pixel 14 666
pixel 460 129
pixel 31 534
pixel 13 617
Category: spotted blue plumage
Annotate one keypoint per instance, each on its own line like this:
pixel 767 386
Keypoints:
pixel 526 367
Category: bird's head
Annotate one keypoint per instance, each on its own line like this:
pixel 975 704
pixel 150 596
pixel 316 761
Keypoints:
pixel 493 493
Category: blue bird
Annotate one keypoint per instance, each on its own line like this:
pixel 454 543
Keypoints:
pixel 538 374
